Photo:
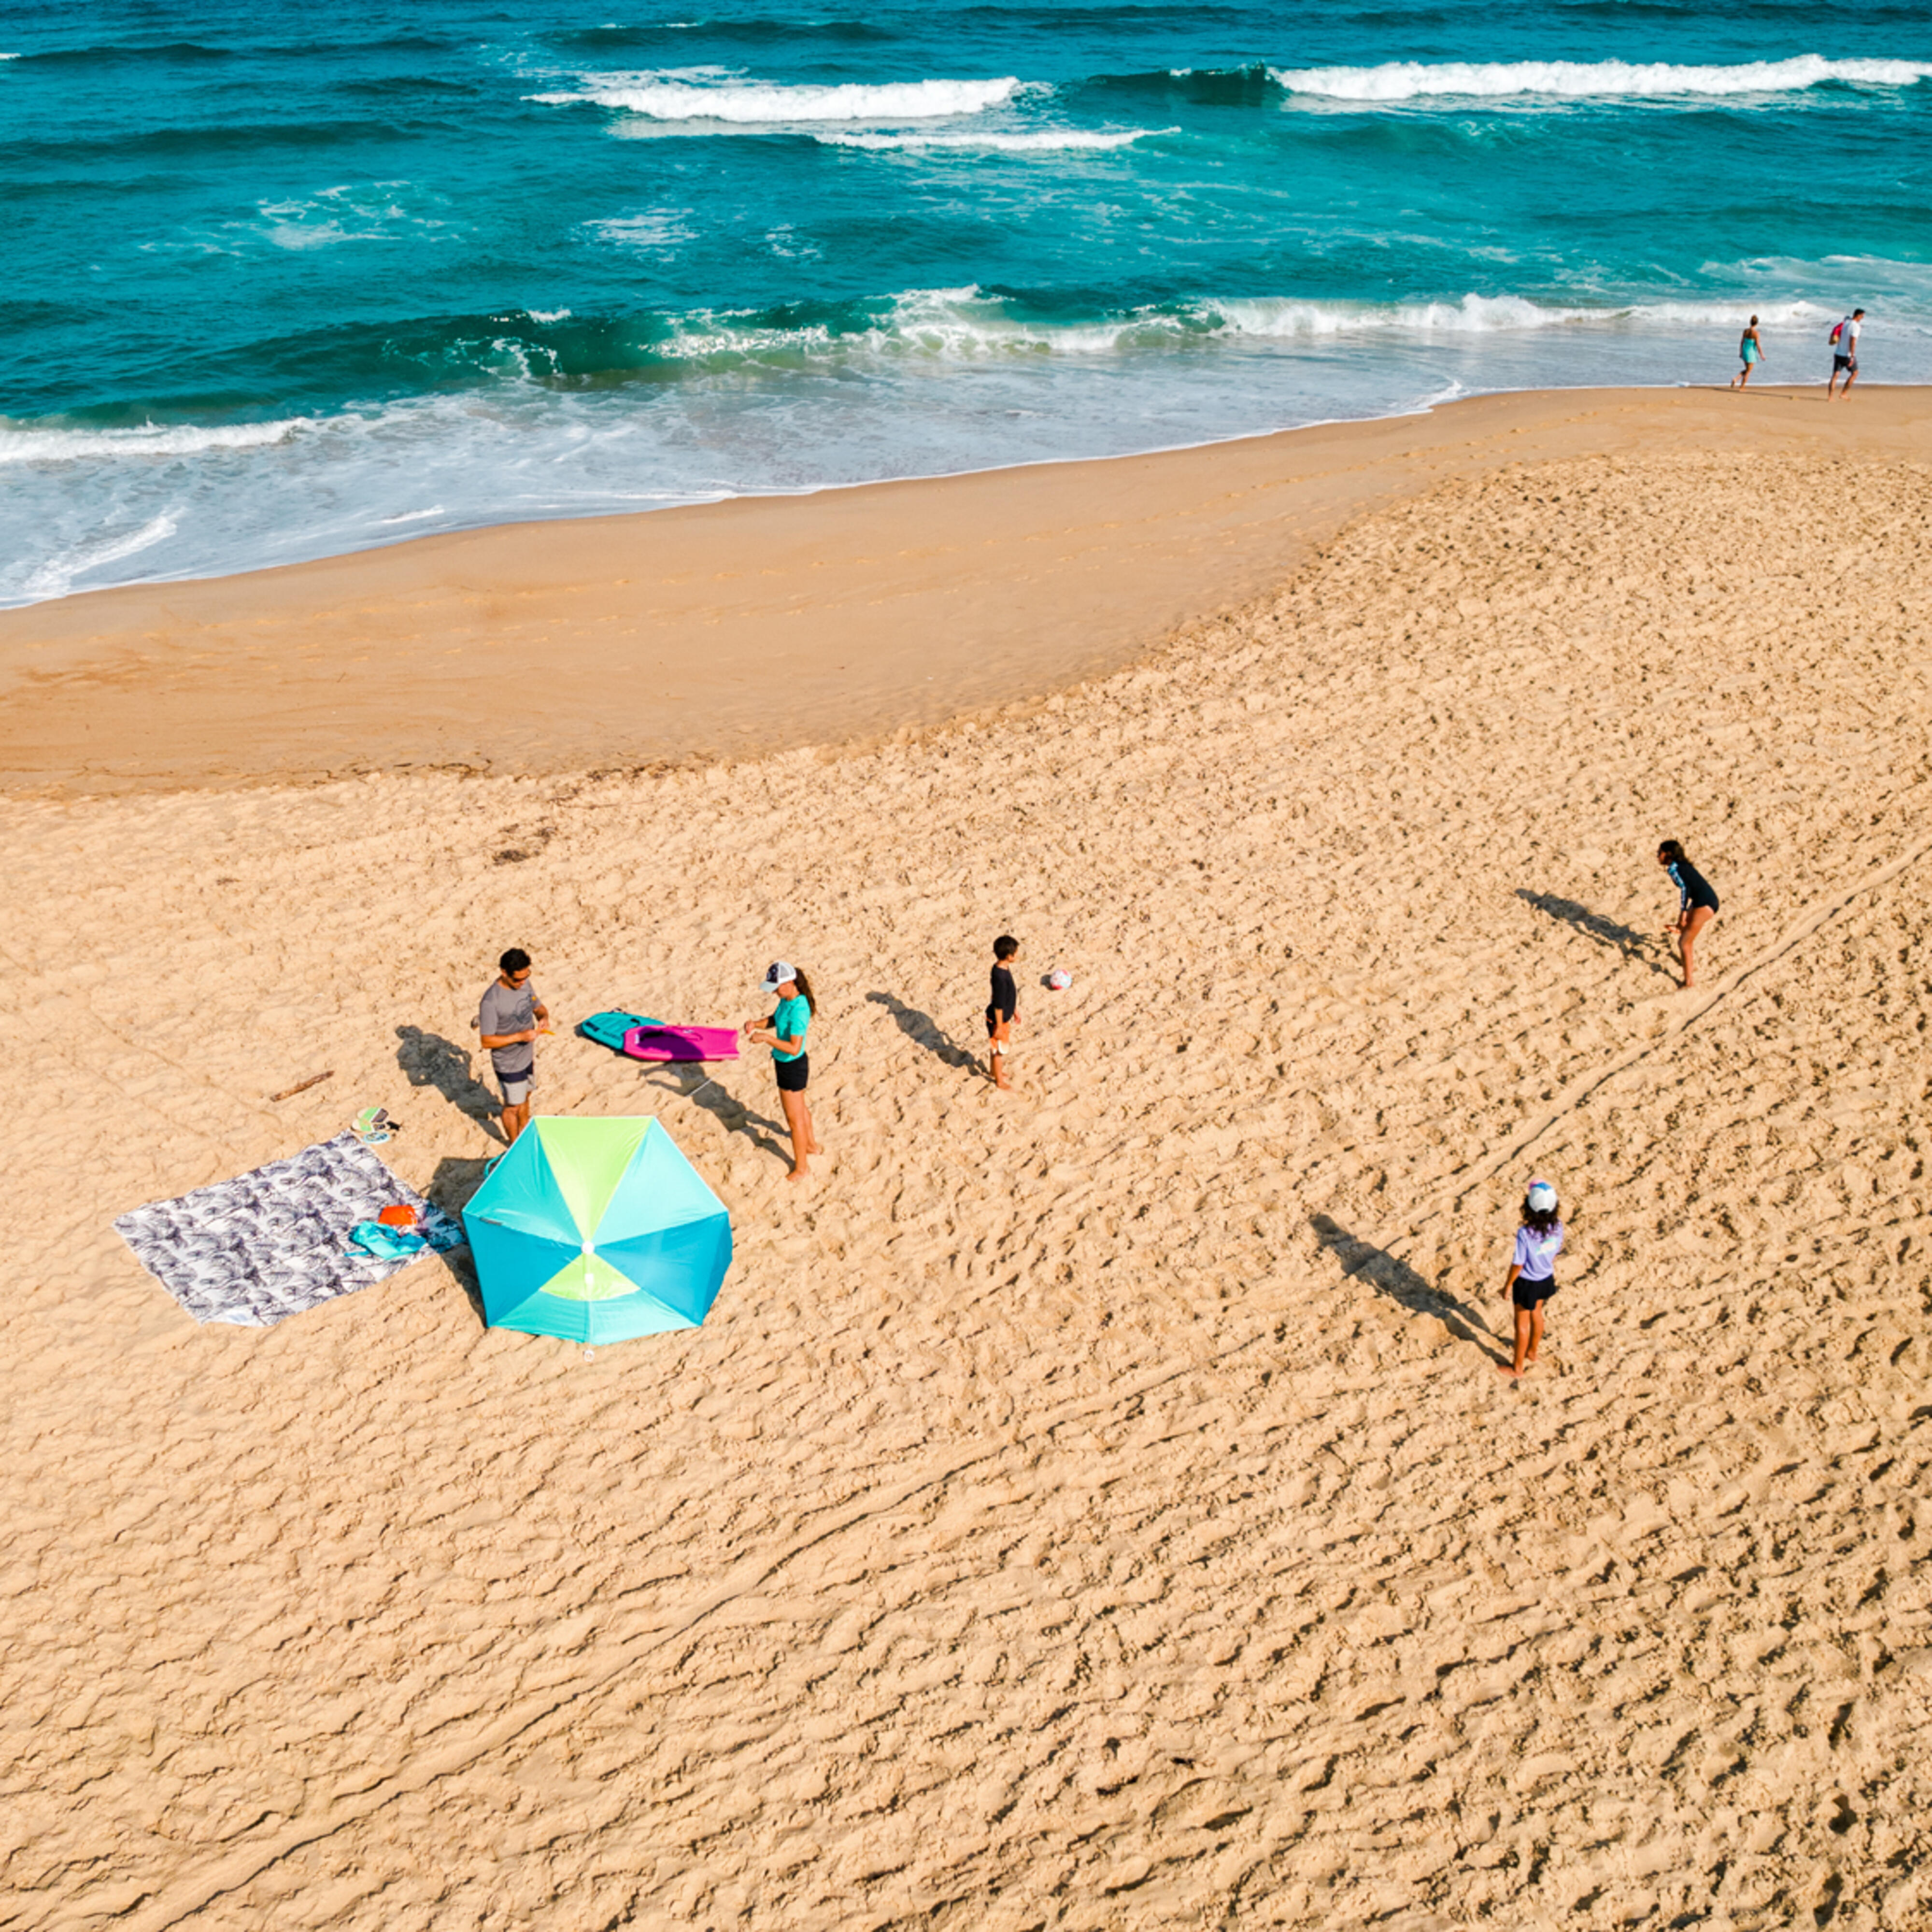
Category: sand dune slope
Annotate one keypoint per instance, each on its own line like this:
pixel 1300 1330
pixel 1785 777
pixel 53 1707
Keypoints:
pixel 1095 1508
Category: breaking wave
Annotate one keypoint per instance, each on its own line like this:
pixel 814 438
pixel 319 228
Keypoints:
pixel 19 445
pixel 751 103
pixel 1414 80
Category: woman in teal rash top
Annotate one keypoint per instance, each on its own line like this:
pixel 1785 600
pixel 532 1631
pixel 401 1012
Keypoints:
pixel 783 1032
pixel 1696 903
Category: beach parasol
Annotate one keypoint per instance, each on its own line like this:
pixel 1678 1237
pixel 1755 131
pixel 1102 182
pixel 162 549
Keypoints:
pixel 596 1230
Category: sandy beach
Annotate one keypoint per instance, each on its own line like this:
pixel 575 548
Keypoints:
pixel 1095 1507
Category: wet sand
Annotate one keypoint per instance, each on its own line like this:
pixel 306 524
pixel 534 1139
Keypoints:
pixel 742 628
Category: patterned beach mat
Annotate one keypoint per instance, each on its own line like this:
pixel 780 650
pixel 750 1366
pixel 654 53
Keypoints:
pixel 268 1244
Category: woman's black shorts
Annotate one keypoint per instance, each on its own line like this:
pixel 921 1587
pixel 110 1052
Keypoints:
pixel 1527 1294
pixel 792 1073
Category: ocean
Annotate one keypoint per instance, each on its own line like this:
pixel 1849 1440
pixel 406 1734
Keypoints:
pixel 286 281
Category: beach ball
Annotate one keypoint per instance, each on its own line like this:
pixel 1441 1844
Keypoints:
pixel 1059 980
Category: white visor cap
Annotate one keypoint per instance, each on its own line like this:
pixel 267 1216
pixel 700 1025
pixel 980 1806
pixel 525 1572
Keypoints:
pixel 1542 1197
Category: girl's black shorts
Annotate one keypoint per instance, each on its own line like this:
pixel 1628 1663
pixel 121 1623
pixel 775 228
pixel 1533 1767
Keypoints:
pixel 792 1073
pixel 1527 1294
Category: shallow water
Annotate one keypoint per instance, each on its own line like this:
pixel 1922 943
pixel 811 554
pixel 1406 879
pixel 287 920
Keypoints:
pixel 285 283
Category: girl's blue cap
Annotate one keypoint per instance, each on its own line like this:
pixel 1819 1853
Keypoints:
pixel 1542 1197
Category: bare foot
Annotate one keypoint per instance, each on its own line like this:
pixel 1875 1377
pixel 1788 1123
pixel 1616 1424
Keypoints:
pixel 798 1173
pixel 1508 1372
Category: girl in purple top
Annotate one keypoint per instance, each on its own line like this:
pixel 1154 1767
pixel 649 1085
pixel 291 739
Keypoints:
pixel 1531 1279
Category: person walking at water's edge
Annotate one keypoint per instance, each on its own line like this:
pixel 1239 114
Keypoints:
pixel 1845 353
pixel 1696 903
pixel 1531 1279
pixel 508 1020
pixel 783 1032
pixel 1751 349
pixel 1004 1009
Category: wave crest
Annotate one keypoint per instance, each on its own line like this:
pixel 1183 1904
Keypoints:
pixel 745 103
pixel 56 446
pixel 1053 140
pixel 1415 80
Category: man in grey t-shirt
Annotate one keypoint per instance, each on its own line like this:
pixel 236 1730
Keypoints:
pixel 507 1020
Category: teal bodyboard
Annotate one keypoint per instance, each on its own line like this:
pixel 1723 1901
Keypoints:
pixel 609 1029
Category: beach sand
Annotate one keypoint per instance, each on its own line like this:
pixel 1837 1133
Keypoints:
pixel 1095 1507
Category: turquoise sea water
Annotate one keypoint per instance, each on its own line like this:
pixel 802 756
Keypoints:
pixel 286 280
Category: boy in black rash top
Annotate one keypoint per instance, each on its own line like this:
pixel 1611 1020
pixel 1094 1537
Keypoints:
pixel 1005 1007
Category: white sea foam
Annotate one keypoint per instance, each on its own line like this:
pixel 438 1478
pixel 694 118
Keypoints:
pixel 1042 141
pixel 548 314
pixel 1413 80
pixel 744 103
pixel 83 508
pixel 965 324
pixel 1490 315
pixel 57 575
pixel 661 228
pixel 1473 315
pixel 57 446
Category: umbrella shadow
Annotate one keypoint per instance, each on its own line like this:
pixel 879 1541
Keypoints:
pixel 457 1177
pixel 1622 939
pixel 924 1030
pixel 428 1060
pixel 695 1085
pixel 1394 1279
pixel 455 1180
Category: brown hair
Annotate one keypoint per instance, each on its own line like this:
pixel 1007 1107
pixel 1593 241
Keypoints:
pixel 805 987
pixel 1540 1220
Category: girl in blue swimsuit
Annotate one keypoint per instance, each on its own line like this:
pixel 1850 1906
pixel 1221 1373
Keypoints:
pixel 1752 350
pixel 1696 903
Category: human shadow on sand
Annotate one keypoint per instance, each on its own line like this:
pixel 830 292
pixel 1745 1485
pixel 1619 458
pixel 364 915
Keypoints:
pixel 428 1060
pixel 1625 940
pixel 694 1084
pixel 1395 1279
pixel 924 1030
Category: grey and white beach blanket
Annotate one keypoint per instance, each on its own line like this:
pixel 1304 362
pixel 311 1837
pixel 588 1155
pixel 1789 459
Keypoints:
pixel 271 1242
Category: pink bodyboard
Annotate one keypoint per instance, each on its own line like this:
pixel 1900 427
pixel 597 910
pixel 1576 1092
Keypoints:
pixel 668 1043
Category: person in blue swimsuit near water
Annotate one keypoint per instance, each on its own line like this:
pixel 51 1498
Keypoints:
pixel 1752 350
pixel 1696 903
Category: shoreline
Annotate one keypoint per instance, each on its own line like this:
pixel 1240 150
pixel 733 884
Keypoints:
pixel 648 639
